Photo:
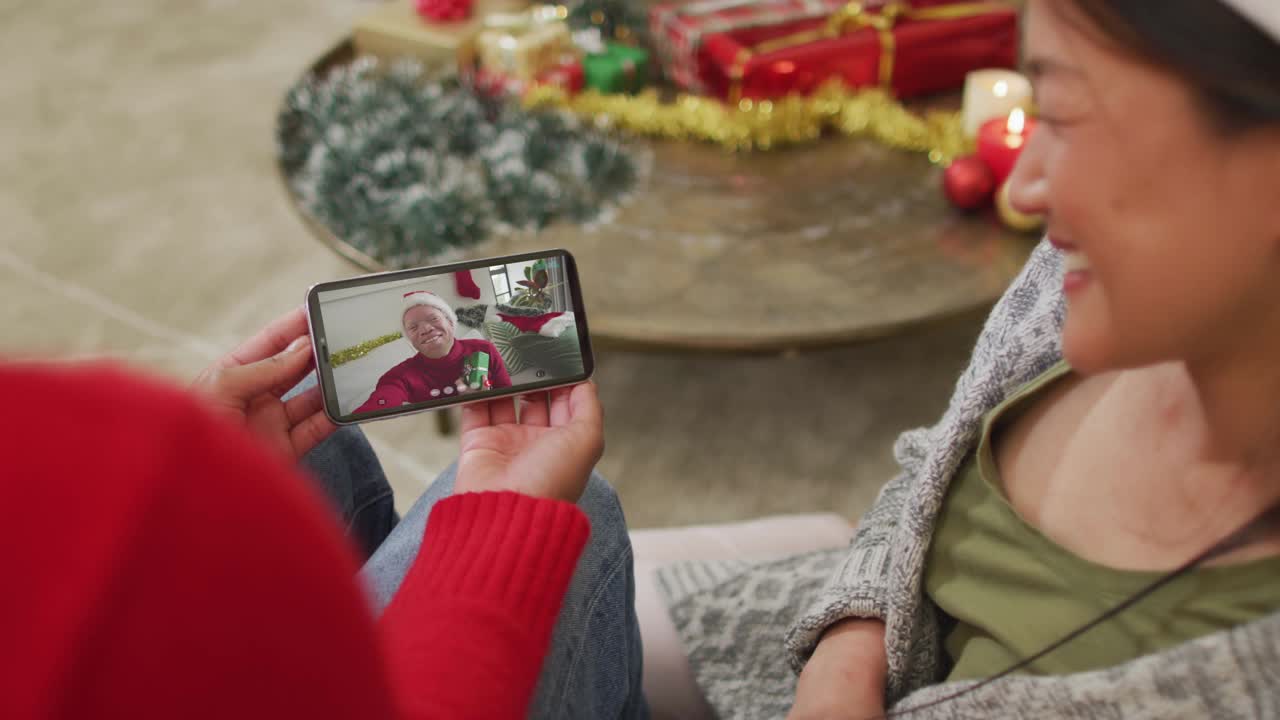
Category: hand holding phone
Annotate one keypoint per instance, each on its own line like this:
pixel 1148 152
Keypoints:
pixel 549 451
pixel 249 383
pixel 403 342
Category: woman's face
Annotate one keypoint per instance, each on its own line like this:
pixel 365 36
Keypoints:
pixel 1171 231
pixel 428 331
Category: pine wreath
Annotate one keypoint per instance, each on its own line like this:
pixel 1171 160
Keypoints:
pixel 472 315
pixel 409 168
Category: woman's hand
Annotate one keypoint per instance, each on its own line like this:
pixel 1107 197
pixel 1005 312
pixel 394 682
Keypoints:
pixel 549 453
pixel 248 383
pixel 844 680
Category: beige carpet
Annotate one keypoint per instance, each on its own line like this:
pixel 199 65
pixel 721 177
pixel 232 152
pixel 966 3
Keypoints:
pixel 141 219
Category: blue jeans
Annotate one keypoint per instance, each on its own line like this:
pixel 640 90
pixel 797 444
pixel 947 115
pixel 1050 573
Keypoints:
pixel 349 473
pixel 593 666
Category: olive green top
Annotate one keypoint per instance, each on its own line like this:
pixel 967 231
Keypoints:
pixel 1012 591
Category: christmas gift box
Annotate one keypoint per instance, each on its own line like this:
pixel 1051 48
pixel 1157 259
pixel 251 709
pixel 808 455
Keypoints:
pixel 619 69
pixel 396 30
pixel 678 28
pixel 568 76
pixel 523 46
pixel 475 371
pixel 908 48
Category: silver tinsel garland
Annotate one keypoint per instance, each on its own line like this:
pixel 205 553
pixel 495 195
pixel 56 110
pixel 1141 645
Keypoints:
pixel 411 169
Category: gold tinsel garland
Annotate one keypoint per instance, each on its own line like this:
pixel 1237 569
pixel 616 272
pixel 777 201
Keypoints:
pixel 355 352
pixel 768 124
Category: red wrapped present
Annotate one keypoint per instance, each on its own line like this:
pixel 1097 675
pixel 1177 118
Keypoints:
pixel 912 49
pixel 678 27
pixel 908 50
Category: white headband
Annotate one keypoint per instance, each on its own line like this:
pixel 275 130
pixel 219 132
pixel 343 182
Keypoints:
pixel 1264 13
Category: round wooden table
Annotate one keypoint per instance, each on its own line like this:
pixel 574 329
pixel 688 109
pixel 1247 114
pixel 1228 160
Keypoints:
pixel 835 242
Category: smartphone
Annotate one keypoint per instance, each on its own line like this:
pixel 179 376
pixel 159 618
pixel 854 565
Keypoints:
pixel 407 341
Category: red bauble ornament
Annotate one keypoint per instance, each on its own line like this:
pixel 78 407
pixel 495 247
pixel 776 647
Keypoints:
pixel 445 10
pixel 968 182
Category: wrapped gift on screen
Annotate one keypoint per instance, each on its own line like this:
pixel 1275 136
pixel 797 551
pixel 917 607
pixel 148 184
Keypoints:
pixel 909 48
pixel 475 371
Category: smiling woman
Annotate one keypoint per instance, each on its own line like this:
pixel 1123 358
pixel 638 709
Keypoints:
pixel 1159 135
pixel 1113 440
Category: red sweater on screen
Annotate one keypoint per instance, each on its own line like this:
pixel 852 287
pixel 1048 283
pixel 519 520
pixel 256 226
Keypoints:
pixel 419 379
pixel 158 562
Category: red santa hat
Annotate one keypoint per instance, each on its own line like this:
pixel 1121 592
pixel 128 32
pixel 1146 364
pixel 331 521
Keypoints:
pixel 429 299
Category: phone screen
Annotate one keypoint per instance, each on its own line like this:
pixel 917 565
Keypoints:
pixel 412 340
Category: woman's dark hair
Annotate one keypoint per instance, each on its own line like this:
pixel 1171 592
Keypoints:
pixel 1232 63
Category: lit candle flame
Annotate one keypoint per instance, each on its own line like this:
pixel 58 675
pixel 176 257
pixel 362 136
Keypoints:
pixel 1017 121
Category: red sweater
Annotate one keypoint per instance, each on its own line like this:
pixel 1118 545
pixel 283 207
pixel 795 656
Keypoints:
pixel 415 379
pixel 160 563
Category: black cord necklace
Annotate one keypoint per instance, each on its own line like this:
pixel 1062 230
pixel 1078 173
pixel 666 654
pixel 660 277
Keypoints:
pixel 1251 532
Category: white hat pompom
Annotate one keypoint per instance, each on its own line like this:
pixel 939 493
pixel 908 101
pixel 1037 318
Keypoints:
pixel 557 325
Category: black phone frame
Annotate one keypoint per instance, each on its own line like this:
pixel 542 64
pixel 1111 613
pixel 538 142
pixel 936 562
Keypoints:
pixel 324 371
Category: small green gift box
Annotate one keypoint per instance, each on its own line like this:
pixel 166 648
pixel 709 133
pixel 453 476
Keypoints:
pixel 475 371
pixel 619 69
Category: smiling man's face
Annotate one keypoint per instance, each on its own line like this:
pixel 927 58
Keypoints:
pixel 428 330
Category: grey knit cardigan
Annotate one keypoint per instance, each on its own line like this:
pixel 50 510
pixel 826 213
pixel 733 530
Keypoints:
pixel 749 628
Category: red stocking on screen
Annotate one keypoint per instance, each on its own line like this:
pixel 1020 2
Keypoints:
pixel 466 285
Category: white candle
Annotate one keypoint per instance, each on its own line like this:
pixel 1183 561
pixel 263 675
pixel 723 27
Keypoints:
pixel 993 93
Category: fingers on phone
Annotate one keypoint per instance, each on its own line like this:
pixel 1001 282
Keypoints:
pixel 560 411
pixel 275 337
pixel 503 411
pixel 476 415
pixel 534 410
pixel 584 404
pixel 310 432
pixel 293 367
pixel 303 406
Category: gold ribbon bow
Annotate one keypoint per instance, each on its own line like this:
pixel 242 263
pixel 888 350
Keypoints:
pixel 856 17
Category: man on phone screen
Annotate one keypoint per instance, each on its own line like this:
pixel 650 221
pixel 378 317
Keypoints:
pixel 443 365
